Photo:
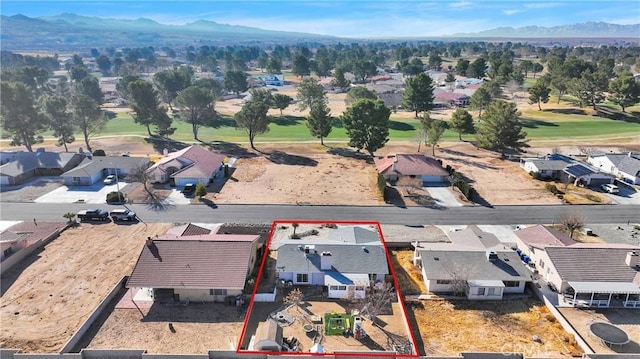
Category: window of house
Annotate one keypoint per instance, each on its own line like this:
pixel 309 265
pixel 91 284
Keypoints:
pixel 372 276
pixel 342 287
pixel 7 252
pixel 481 291
pixel 491 291
pixel 302 278
pixel 333 287
pixel 359 287
pixel 511 283
pixel 541 263
pixel 217 292
pixel 443 281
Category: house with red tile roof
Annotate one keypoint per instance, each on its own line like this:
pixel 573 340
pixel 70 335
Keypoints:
pixel 415 165
pixel 191 263
pixel 194 164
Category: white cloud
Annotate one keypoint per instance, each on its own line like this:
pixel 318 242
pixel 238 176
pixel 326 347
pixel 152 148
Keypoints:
pixel 511 12
pixel 543 5
pixel 461 4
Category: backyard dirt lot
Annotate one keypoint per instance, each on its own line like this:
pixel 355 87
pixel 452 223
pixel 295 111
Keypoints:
pixel 450 327
pixel 197 329
pixel 46 298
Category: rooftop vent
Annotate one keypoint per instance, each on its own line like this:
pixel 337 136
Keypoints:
pixel 492 256
pixel 632 259
pixel 436 258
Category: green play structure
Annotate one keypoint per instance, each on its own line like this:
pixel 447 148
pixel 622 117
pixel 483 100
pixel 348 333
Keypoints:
pixel 338 323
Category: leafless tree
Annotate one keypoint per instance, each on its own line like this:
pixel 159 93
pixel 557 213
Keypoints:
pixel 294 297
pixel 457 278
pixel 377 300
pixel 140 174
pixel 572 222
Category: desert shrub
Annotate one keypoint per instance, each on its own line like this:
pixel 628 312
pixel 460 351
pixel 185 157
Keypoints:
pixel 201 190
pixel 593 198
pixel 552 188
pixel 115 197
pixel 462 185
pixel 535 175
pixel 99 153
pixel 382 183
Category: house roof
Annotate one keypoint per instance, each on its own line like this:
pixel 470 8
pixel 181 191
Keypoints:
pixel 578 170
pixel 269 330
pixel 189 161
pixel 336 278
pixel 188 229
pixel 409 164
pixel 472 236
pixel 450 96
pixel 604 287
pixel 192 264
pixel 354 235
pixel 27 161
pixel 89 167
pixel 592 263
pixel 344 258
pixel 31 232
pixel 540 235
pixel 629 164
pixel 550 165
pixel 473 265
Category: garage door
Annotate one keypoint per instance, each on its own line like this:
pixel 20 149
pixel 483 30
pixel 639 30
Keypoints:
pixel 431 179
pixel 597 182
pixel 180 182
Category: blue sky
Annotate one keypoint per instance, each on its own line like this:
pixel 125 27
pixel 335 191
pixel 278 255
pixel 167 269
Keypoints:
pixel 350 18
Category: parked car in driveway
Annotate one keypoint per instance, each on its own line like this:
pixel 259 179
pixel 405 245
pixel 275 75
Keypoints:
pixel 93 214
pixel 110 179
pixel 610 188
pixel 189 189
pixel 122 215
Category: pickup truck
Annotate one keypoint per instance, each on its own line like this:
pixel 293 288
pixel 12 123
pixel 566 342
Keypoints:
pixel 93 214
pixel 122 215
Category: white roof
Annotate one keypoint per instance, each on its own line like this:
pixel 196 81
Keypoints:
pixel 605 287
pixel 336 278
pixel 486 283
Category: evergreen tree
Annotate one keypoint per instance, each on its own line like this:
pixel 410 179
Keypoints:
pixel 500 128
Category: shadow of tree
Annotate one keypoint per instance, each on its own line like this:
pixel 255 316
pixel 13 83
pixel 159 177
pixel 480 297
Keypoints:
pixel 283 158
pixel 224 121
pixel 209 203
pixel 400 126
pixel 393 196
pixel 411 316
pixel 633 117
pixel 287 120
pixel 566 111
pixel 348 152
pixel 161 143
pixel 530 123
pixel 232 149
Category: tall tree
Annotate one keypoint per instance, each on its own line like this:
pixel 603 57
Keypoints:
pixel 539 93
pixel 170 83
pixel 310 91
pixel 235 82
pixel 357 92
pixel 300 65
pixel 477 68
pixel 196 106
pixel 462 66
pixel 87 117
pixel 479 100
pixel 462 122
pixel 367 124
pixel 433 129
pixel 500 128
pixel 319 121
pixel 418 94
pixel 20 117
pixel 435 61
pixel 123 85
pixel 148 111
pixel 263 95
pixel 589 88
pixel 339 80
pixel 89 86
pixel 624 90
pixel 104 64
pixel 253 119
pixel 55 110
pixel 281 101
pixel 274 65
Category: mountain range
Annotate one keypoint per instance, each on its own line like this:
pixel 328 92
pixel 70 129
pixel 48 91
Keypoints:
pixel 70 32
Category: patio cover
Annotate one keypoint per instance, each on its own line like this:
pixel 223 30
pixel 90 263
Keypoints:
pixel 485 283
pixel 605 287
pixel 337 278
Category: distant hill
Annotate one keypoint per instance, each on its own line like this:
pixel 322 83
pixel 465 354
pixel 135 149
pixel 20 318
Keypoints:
pixel 582 30
pixel 75 32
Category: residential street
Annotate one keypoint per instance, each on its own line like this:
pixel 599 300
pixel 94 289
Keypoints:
pixel 383 214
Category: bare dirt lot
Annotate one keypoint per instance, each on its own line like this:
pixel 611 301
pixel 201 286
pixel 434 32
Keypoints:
pixel 626 319
pixel 197 328
pixel 46 298
pixel 450 327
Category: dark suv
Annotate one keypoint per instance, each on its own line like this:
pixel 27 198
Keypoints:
pixel 189 189
pixel 93 214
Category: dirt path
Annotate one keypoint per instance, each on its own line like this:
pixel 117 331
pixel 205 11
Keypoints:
pixel 48 296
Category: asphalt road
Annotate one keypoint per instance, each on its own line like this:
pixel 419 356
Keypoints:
pixel 382 214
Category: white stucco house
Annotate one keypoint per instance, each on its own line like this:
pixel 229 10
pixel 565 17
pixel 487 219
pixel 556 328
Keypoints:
pixel 194 164
pixel 625 166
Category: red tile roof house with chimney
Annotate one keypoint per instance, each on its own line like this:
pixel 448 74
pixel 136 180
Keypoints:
pixel 199 267
pixel 416 165
pixel 194 164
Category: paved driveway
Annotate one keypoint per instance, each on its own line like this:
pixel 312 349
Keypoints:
pixel 442 194
pixel 627 195
pixel 96 193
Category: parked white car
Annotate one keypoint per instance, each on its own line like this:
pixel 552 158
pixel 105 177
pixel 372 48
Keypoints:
pixel 110 179
pixel 610 188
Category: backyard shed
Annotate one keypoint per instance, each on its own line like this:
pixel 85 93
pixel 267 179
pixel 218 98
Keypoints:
pixel 268 336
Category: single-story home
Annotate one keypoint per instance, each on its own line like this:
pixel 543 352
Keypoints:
pixel 92 170
pixel 533 240
pixel 480 275
pixel 416 165
pixel 548 167
pixel 194 164
pixel 274 80
pixel 26 165
pixel 625 166
pixel 450 99
pixel 194 268
pixel 584 174
pixel 345 270
pixel 593 273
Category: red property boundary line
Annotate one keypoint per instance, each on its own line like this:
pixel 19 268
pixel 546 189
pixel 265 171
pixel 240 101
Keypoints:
pixel 395 283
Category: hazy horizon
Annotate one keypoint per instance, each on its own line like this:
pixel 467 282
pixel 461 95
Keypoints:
pixel 349 18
